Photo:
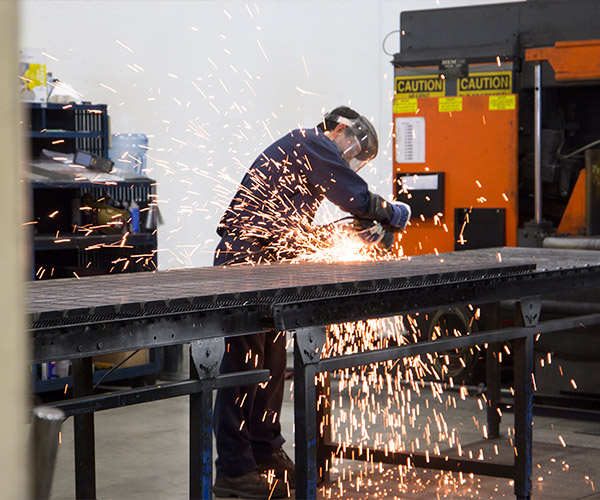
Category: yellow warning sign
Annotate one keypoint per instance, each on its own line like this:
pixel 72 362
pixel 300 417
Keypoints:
pixel 405 105
pixel 503 102
pixel 449 104
pixel 410 87
pixel 498 82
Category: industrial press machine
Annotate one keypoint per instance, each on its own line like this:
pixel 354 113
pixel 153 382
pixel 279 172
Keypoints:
pixel 497 141
pixel 495 124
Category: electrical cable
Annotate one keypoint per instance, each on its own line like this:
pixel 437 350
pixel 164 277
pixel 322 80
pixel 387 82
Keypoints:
pixel 385 40
pixel 332 224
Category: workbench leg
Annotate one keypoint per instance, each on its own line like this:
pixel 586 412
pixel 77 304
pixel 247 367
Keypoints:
pixel 490 320
pixel 305 419
pixel 83 428
pixel 493 384
pixel 201 445
pixel 523 358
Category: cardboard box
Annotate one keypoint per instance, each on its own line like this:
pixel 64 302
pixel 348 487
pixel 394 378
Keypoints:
pixel 104 361
pixel 32 74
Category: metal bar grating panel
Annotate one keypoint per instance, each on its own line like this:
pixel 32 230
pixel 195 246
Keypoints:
pixel 68 301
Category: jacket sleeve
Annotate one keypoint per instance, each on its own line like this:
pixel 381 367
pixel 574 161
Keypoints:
pixel 325 169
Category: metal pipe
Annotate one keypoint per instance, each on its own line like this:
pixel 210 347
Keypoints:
pixel 572 243
pixel 537 128
pixel 46 425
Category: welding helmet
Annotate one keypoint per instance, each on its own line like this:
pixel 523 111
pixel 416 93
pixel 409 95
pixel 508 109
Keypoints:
pixel 358 143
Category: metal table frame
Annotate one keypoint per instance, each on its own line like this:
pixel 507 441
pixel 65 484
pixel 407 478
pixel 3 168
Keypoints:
pixel 308 315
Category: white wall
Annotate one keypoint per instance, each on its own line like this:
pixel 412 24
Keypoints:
pixel 213 82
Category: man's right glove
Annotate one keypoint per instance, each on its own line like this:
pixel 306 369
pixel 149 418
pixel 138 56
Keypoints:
pixel 372 233
pixel 401 215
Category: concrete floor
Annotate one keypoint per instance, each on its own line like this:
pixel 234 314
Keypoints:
pixel 141 453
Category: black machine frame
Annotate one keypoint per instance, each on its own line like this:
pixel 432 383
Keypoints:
pixel 304 302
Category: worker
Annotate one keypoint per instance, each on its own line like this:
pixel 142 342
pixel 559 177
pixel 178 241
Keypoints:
pixel 277 198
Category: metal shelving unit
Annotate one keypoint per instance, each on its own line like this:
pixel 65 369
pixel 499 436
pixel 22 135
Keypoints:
pixel 67 240
pixel 81 126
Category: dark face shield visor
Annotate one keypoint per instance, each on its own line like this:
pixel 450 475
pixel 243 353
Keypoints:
pixel 358 144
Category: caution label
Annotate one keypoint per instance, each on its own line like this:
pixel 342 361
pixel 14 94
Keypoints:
pixel 410 87
pixel 503 102
pixel 449 104
pixel 406 105
pixel 499 82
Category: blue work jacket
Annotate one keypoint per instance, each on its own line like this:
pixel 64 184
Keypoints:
pixel 285 185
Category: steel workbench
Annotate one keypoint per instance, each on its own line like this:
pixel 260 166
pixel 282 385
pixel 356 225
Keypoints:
pixel 77 319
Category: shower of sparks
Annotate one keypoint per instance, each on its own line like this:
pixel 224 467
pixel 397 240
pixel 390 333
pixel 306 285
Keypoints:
pixel 305 66
pixel 306 92
pixel 262 50
pixel 124 46
pixel 394 406
pixel 49 56
pixel 107 87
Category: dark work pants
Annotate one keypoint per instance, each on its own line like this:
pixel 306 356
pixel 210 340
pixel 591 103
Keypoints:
pixel 246 418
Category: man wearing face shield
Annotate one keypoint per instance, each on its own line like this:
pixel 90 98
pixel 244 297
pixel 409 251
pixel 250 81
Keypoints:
pixel 355 138
pixel 280 194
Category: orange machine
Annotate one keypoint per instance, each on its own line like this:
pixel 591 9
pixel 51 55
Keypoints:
pixel 455 163
pixel 495 120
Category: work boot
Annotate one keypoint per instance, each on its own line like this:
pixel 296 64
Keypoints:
pixel 251 485
pixel 281 465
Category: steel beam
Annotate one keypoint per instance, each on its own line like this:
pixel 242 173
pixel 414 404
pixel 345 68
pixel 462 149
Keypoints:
pixel 126 334
pixel 107 401
pixel 422 460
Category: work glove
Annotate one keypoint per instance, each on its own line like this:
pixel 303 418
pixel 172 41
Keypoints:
pixel 372 233
pixel 400 216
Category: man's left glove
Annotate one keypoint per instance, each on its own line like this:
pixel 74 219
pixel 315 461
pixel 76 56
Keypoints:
pixel 400 216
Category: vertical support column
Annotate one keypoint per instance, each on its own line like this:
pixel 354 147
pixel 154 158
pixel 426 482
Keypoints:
pixel 83 427
pixel 201 456
pixel 528 314
pixel 205 362
pixel 305 420
pixel 523 357
pixel 490 319
pixel 308 343
pixel 537 147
